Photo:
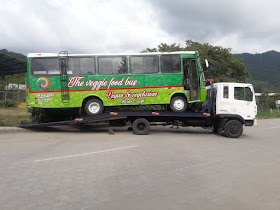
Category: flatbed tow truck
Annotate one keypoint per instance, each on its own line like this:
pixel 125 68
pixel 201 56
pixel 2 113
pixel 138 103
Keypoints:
pixel 228 108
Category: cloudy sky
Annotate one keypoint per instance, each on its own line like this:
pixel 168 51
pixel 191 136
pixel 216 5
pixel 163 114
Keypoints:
pixel 111 26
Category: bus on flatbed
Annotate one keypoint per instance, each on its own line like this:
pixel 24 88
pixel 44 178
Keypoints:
pixel 94 81
pixel 229 106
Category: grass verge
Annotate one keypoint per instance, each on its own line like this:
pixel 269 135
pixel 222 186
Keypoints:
pixel 268 114
pixel 14 116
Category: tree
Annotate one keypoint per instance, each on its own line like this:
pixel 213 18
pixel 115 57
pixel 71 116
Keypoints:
pixel 223 66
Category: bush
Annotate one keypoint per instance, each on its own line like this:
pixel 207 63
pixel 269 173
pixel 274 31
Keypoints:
pixel 8 103
pixel 40 115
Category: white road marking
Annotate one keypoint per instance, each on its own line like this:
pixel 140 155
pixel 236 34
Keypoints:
pixel 273 127
pixel 89 153
pixel 276 127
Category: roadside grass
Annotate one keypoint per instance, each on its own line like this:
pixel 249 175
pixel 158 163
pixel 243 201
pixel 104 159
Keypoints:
pixel 268 114
pixel 14 116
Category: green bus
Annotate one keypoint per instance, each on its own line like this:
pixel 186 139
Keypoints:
pixel 94 81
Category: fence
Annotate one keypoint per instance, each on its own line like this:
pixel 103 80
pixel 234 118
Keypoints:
pixel 14 95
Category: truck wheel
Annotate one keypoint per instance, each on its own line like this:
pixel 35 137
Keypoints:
pixel 178 104
pixel 141 126
pixel 94 106
pixel 233 129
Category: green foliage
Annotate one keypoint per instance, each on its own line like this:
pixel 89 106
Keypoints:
pixel 223 66
pixel 15 79
pixel 263 102
pixel 39 115
pixel 8 103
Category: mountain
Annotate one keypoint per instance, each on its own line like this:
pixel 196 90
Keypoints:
pixel 264 68
pixel 13 54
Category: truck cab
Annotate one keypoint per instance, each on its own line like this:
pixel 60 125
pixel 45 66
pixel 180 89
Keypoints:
pixel 234 105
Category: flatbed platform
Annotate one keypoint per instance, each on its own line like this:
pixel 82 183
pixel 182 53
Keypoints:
pixel 154 116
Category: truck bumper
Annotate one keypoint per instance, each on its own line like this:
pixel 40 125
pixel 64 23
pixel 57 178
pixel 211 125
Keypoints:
pixel 251 122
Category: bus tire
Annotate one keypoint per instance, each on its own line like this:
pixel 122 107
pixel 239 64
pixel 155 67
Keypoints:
pixel 141 126
pixel 94 106
pixel 178 104
pixel 233 129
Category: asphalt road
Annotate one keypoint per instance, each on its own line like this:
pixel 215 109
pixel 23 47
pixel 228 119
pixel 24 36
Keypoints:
pixel 188 168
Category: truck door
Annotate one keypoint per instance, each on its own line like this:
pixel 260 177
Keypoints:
pixel 244 102
pixel 236 99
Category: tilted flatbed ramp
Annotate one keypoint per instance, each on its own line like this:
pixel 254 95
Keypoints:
pixel 109 116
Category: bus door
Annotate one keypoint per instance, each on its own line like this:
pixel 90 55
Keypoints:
pixel 191 79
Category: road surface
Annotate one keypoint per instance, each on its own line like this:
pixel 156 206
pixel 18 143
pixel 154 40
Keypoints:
pixel 186 168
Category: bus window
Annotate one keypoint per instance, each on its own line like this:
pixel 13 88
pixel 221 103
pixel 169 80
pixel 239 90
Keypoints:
pixel 170 63
pixel 45 66
pixel 81 66
pixel 74 66
pixel 112 65
pixel 144 64
pixel 194 75
pixel 87 66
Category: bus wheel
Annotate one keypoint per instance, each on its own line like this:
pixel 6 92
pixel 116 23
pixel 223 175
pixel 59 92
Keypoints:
pixel 233 129
pixel 94 106
pixel 141 126
pixel 178 104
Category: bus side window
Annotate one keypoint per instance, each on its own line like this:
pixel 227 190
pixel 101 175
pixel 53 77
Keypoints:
pixel 73 66
pixel 45 66
pixel 170 63
pixel 194 75
pixel 144 64
pixel 112 65
pixel 186 74
pixel 87 66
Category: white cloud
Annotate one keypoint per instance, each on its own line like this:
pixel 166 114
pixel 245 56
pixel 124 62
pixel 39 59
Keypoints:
pixel 98 26
pixel 81 26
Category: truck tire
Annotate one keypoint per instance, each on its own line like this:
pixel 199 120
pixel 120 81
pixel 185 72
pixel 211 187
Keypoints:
pixel 178 104
pixel 233 129
pixel 141 126
pixel 94 106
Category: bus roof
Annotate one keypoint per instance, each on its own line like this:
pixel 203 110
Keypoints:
pixel 32 55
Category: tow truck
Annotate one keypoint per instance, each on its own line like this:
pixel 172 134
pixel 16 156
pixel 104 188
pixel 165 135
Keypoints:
pixel 229 107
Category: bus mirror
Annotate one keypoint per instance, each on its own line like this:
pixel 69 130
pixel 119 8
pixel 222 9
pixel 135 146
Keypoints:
pixel 206 63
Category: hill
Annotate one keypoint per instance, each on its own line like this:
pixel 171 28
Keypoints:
pixel 13 54
pixel 264 68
